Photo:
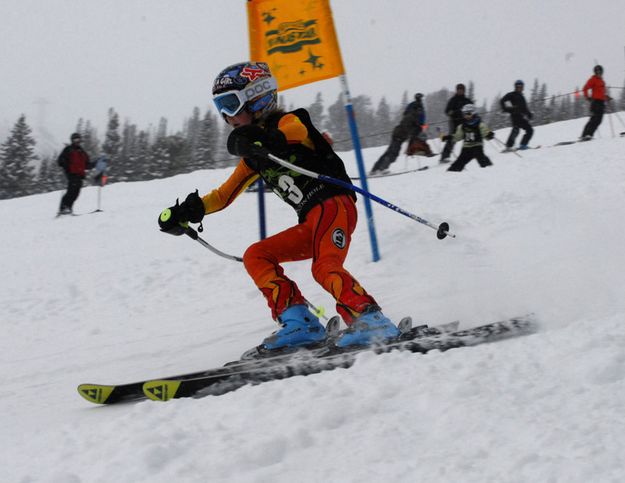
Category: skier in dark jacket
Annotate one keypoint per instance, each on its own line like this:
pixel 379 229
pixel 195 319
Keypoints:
pixel 75 161
pixel 453 110
pixel 408 128
pixel 595 93
pixel 514 104
pixel 472 131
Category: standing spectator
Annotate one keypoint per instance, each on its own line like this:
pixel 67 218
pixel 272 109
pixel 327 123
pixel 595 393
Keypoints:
pixel 595 93
pixel 514 104
pixel 408 128
pixel 454 113
pixel 74 160
pixel 472 130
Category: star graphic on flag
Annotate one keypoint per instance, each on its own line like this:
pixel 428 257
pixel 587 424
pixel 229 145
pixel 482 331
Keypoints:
pixel 268 18
pixel 313 60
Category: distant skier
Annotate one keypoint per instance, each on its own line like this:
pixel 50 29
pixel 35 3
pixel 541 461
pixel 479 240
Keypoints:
pixel 453 110
pixel 75 161
pixel 410 127
pixel 595 93
pixel 245 94
pixel 472 131
pixel 514 104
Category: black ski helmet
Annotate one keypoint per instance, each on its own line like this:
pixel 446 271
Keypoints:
pixel 75 135
pixel 519 83
pixel 598 69
pixel 460 86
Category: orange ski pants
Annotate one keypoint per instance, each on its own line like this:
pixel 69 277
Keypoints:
pixel 324 236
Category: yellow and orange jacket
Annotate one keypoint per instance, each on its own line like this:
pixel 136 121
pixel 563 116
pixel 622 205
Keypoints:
pixel 296 140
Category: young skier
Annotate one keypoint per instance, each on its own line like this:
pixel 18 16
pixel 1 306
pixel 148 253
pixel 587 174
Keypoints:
pixel 245 94
pixel 472 130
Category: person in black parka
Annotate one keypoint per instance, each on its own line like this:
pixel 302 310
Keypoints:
pixel 514 104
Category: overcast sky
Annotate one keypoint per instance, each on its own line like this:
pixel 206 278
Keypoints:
pixel 66 59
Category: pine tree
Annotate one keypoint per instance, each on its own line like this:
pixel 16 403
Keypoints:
pixel 316 111
pixel 204 154
pixel 50 176
pixel 336 125
pixel 365 119
pixel 17 156
pixel 192 131
pixel 112 143
pixel 143 156
pixel 383 124
pixel 90 142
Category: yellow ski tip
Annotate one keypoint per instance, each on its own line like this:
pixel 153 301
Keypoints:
pixel 160 390
pixel 95 393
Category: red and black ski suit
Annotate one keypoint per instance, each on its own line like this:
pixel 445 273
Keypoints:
pixel 75 161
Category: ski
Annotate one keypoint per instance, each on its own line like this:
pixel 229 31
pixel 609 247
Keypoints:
pixel 230 378
pixel 233 375
pixel 514 150
pixel 119 393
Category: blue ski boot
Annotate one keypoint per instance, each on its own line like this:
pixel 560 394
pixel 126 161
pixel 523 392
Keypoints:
pixel 299 327
pixel 371 327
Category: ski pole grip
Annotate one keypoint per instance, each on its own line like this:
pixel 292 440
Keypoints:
pixel 190 232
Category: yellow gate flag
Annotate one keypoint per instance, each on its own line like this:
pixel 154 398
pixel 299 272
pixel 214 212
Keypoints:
pixel 296 38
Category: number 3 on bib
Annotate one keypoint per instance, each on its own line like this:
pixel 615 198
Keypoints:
pixel 287 184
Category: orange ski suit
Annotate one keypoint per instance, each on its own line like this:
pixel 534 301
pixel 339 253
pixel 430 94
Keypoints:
pixel 327 217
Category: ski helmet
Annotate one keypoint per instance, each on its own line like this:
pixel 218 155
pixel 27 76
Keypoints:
pixel 468 110
pixel 598 69
pixel 245 86
pixel 75 136
pixel 519 83
pixel 460 86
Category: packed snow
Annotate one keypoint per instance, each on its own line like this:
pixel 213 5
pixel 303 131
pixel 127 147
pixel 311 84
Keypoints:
pixel 106 298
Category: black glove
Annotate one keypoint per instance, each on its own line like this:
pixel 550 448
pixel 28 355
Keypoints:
pixel 174 220
pixel 530 116
pixel 169 220
pixel 252 140
pixel 192 208
pixel 445 138
pixel 489 136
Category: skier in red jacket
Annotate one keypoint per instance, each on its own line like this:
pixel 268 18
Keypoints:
pixel 75 161
pixel 595 93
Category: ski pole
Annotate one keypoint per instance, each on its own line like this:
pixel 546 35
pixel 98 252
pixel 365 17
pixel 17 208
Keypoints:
pixel 615 112
pixel 610 119
pixel 442 230
pixel 504 146
pixel 193 234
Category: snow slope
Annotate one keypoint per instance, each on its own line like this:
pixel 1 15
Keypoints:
pixel 106 298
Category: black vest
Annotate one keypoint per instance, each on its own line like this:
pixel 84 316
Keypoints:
pixel 298 190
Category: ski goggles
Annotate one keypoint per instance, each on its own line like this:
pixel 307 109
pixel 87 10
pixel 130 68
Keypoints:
pixel 232 103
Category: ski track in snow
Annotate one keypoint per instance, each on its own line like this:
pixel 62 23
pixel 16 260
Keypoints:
pixel 106 298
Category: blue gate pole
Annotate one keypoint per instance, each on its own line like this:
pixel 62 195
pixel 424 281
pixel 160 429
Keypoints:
pixel 361 167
